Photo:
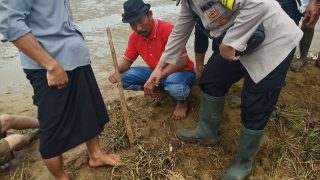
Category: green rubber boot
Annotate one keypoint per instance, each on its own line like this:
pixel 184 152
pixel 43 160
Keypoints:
pixel 305 43
pixel 247 149
pixel 211 111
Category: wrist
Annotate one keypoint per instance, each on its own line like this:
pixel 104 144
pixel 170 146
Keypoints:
pixel 51 65
pixel 199 64
pixel 161 65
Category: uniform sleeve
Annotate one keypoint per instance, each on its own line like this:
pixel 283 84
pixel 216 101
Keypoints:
pixel 250 15
pixel 13 14
pixel 131 52
pixel 166 34
pixel 179 36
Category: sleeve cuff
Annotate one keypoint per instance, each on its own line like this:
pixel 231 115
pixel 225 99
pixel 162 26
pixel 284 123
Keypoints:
pixel 15 33
pixel 128 59
pixel 234 44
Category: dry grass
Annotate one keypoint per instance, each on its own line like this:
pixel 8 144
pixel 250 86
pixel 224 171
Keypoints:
pixel 145 160
pixel 296 142
pixel 145 163
pixel 291 151
pixel 114 137
pixel 20 173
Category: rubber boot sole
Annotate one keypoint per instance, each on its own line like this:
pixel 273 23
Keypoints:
pixel 200 141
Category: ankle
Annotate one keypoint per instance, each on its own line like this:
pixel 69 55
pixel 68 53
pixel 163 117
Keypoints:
pixel 182 102
pixel 94 155
pixel 63 176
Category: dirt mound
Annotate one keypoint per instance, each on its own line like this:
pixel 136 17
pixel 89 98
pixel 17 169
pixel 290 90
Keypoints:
pixel 290 147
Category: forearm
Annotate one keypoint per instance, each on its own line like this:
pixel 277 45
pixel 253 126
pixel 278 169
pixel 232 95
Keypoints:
pixel 179 36
pixel 170 68
pixel 29 45
pixel 311 15
pixel 200 59
pixel 124 65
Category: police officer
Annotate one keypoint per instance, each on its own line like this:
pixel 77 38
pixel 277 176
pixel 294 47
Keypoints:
pixel 263 67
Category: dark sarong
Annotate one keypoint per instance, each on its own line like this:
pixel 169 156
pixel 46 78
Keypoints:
pixel 70 116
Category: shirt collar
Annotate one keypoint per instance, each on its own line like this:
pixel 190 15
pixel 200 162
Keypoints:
pixel 154 29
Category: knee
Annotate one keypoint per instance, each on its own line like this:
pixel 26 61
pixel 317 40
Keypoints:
pixel 178 91
pixel 128 83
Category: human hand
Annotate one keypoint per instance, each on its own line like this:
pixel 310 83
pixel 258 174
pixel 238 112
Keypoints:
pixel 113 77
pixel 199 70
pixel 152 82
pixel 149 87
pixel 56 76
pixel 311 15
pixel 228 52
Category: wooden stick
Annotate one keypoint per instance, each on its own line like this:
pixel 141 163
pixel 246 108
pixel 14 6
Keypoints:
pixel 122 98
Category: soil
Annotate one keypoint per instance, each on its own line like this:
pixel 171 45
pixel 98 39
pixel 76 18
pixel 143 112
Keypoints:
pixel 155 130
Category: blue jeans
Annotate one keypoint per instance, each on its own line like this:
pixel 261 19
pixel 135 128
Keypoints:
pixel 177 84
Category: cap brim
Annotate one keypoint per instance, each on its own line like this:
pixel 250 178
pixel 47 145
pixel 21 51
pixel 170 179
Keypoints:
pixel 143 11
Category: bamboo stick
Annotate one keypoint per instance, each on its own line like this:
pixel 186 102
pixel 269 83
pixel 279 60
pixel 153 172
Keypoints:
pixel 120 88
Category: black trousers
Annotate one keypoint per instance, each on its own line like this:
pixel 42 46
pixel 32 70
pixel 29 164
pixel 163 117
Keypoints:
pixel 69 116
pixel 257 100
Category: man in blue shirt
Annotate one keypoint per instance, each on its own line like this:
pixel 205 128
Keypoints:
pixel 56 61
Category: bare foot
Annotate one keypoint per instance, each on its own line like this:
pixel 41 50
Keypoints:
pixel 105 160
pixel 181 110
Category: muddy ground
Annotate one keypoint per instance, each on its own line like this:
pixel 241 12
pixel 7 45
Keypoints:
pixel 290 147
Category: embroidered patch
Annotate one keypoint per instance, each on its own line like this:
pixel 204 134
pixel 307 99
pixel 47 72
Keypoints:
pixel 224 19
pixel 227 3
pixel 214 12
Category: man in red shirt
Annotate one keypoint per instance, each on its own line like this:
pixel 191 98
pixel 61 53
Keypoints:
pixel 148 40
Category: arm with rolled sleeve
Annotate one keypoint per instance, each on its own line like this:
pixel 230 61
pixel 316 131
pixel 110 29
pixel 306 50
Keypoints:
pixel 13 15
pixel 179 36
pixel 251 14
pixel 131 53
pixel 12 18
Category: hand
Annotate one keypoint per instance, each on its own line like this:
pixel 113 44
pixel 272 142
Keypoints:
pixel 311 15
pixel 153 81
pixel 199 70
pixel 149 87
pixel 113 77
pixel 228 52
pixel 57 77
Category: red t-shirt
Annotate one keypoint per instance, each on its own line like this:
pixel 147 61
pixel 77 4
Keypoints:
pixel 151 49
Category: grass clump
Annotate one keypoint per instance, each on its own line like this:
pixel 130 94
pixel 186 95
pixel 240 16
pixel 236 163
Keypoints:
pixel 297 141
pixel 146 162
